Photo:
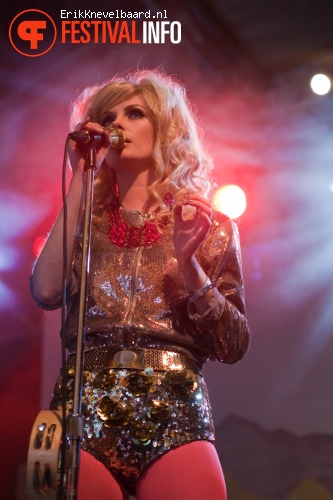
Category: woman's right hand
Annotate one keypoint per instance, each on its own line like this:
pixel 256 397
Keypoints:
pixel 78 152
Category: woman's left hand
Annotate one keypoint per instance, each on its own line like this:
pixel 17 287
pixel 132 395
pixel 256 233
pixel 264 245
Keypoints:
pixel 189 234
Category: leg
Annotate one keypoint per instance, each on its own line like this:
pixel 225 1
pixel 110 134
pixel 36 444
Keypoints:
pixel 190 471
pixel 96 482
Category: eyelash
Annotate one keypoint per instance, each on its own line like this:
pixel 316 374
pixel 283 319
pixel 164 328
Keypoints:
pixel 132 114
pixel 107 120
pixel 138 113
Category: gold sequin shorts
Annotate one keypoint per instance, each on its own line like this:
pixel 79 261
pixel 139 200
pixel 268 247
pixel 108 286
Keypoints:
pixel 134 415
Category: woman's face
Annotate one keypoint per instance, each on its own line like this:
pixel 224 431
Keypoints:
pixel 131 117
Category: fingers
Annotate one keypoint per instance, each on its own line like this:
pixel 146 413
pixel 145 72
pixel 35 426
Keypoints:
pixel 87 126
pixel 204 215
pixel 97 128
pixel 203 206
pixel 78 151
pixel 80 126
pixel 178 212
pixel 202 210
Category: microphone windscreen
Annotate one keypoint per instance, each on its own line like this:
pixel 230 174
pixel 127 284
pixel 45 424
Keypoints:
pixel 117 138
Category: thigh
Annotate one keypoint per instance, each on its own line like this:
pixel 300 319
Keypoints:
pixel 190 471
pixel 96 482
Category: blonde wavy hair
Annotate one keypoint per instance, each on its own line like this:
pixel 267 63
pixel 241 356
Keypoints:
pixel 182 165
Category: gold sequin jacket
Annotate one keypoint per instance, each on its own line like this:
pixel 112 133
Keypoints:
pixel 137 297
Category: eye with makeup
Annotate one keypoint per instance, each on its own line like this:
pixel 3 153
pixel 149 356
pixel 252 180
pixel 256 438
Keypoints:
pixel 107 120
pixel 135 113
pixel 132 113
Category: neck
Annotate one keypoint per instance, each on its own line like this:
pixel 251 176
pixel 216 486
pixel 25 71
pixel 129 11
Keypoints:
pixel 133 192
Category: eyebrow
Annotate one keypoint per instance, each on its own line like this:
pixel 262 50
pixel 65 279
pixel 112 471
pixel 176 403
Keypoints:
pixel 129 106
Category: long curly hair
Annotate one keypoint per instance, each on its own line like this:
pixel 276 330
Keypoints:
pixel 182 165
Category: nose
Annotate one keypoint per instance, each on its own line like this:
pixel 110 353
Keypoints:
pixel 118 122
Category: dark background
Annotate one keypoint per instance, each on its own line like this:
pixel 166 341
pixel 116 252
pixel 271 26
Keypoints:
pixel 246 66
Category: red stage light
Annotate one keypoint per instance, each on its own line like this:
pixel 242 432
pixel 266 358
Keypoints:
pixel 230 200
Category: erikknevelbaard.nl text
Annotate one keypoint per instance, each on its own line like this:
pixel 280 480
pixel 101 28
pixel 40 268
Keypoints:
pixel 116 14
pixel 88 26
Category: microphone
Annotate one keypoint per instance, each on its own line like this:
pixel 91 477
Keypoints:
pixel 88 137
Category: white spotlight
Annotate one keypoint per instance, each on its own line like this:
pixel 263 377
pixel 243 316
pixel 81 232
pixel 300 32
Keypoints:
pixel 230 200
pixel 320 84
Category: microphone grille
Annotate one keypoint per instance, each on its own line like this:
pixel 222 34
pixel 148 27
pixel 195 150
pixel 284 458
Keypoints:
pixel 117 138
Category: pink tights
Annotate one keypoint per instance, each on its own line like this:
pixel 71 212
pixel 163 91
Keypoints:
pixel 190 471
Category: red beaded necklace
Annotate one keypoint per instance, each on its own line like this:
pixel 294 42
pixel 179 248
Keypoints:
pixel 123 235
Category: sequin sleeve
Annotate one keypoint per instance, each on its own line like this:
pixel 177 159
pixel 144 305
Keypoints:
pixel 71 287
pixel 223 325
pixel 42 305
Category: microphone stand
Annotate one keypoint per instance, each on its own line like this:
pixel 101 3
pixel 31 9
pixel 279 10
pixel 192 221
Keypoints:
pixel 76 421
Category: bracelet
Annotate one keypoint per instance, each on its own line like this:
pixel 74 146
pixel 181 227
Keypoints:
pixel 199 293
